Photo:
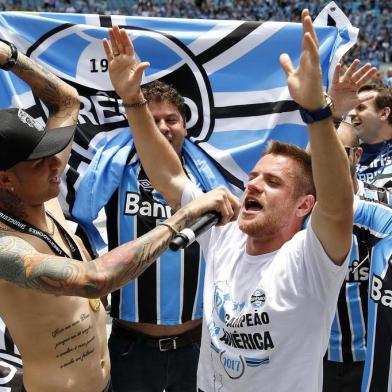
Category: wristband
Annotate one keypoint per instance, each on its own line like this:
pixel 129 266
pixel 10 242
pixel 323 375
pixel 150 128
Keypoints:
pixel 135 105
pixel 309 117
pixel 12 59
pixel 169 226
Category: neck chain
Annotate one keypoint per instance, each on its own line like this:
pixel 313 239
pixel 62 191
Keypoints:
pixel 25 227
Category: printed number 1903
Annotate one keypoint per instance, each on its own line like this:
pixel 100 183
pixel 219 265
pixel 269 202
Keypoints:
pixel 98 65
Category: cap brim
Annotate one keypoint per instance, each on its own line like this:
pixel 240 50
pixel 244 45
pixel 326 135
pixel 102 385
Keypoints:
pixel 54 141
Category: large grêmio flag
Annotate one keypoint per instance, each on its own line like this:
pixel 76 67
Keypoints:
pixel 228 72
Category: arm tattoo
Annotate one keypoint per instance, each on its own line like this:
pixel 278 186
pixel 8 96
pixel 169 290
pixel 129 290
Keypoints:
pixel 45 87
pixel 56 94
pixel 21 264
pixel 134 257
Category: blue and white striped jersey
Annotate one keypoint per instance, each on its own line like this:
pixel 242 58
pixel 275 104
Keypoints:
pixel 372 222
pixel 170 291
pixel 378 365
pixel 375 166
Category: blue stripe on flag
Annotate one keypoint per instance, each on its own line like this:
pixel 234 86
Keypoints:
pixel 159 54
pixel 30 26
pixel 246 146
pixel 10 86
pixel 248 70
pixel 73 45
pixel 97 33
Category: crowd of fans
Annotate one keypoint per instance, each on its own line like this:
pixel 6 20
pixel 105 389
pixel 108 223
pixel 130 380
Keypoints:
pixel 372 17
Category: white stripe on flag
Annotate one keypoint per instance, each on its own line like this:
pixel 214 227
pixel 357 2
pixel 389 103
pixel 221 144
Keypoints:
pixel 255 123
pixel 259 35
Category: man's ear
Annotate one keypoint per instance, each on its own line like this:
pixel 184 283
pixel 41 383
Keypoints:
pixel 385 113
pixel 6 180
pixel 358 154
pixel 305 205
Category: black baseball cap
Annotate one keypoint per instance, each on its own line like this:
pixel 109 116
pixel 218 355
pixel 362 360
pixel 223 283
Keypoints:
pixel 22 138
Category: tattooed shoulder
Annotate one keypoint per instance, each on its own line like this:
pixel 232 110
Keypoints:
pixel 13 251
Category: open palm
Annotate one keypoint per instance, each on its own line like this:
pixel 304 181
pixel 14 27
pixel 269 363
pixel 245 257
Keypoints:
pixel 124 70
pixel 304 82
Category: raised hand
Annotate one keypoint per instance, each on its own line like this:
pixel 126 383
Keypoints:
pixel 124 70
pixel 344 89
pixel 305 82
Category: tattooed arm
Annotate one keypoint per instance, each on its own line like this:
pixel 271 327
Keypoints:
pixel 61 99
pixel 21 264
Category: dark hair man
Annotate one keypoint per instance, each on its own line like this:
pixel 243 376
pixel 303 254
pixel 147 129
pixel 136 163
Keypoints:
pixel 49 291
pixel 270 289
pixel 372 120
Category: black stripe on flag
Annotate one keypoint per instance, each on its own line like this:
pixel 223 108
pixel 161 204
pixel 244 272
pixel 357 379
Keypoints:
pixel 331 21
pixel 46 36
pixel 255 109
pixel 105 20
pixel 227 42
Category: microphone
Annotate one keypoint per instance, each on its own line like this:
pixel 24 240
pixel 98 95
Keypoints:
pixel 186 236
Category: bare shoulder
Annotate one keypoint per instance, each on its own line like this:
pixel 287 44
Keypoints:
pixel 54 207
pixel 23 265
pixel 14 252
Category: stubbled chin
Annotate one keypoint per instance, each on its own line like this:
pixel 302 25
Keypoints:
pixel 246 221
pixel 249 228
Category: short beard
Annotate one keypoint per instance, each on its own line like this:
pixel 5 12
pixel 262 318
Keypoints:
pixel 12 204
pixel 256 228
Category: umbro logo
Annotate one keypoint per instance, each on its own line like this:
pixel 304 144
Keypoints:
pixel 146 185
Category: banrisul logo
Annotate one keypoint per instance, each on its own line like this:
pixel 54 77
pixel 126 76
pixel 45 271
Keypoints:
pixel 257 299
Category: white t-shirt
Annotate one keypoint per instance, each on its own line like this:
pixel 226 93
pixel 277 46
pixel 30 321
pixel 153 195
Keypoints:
pixel 266 318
